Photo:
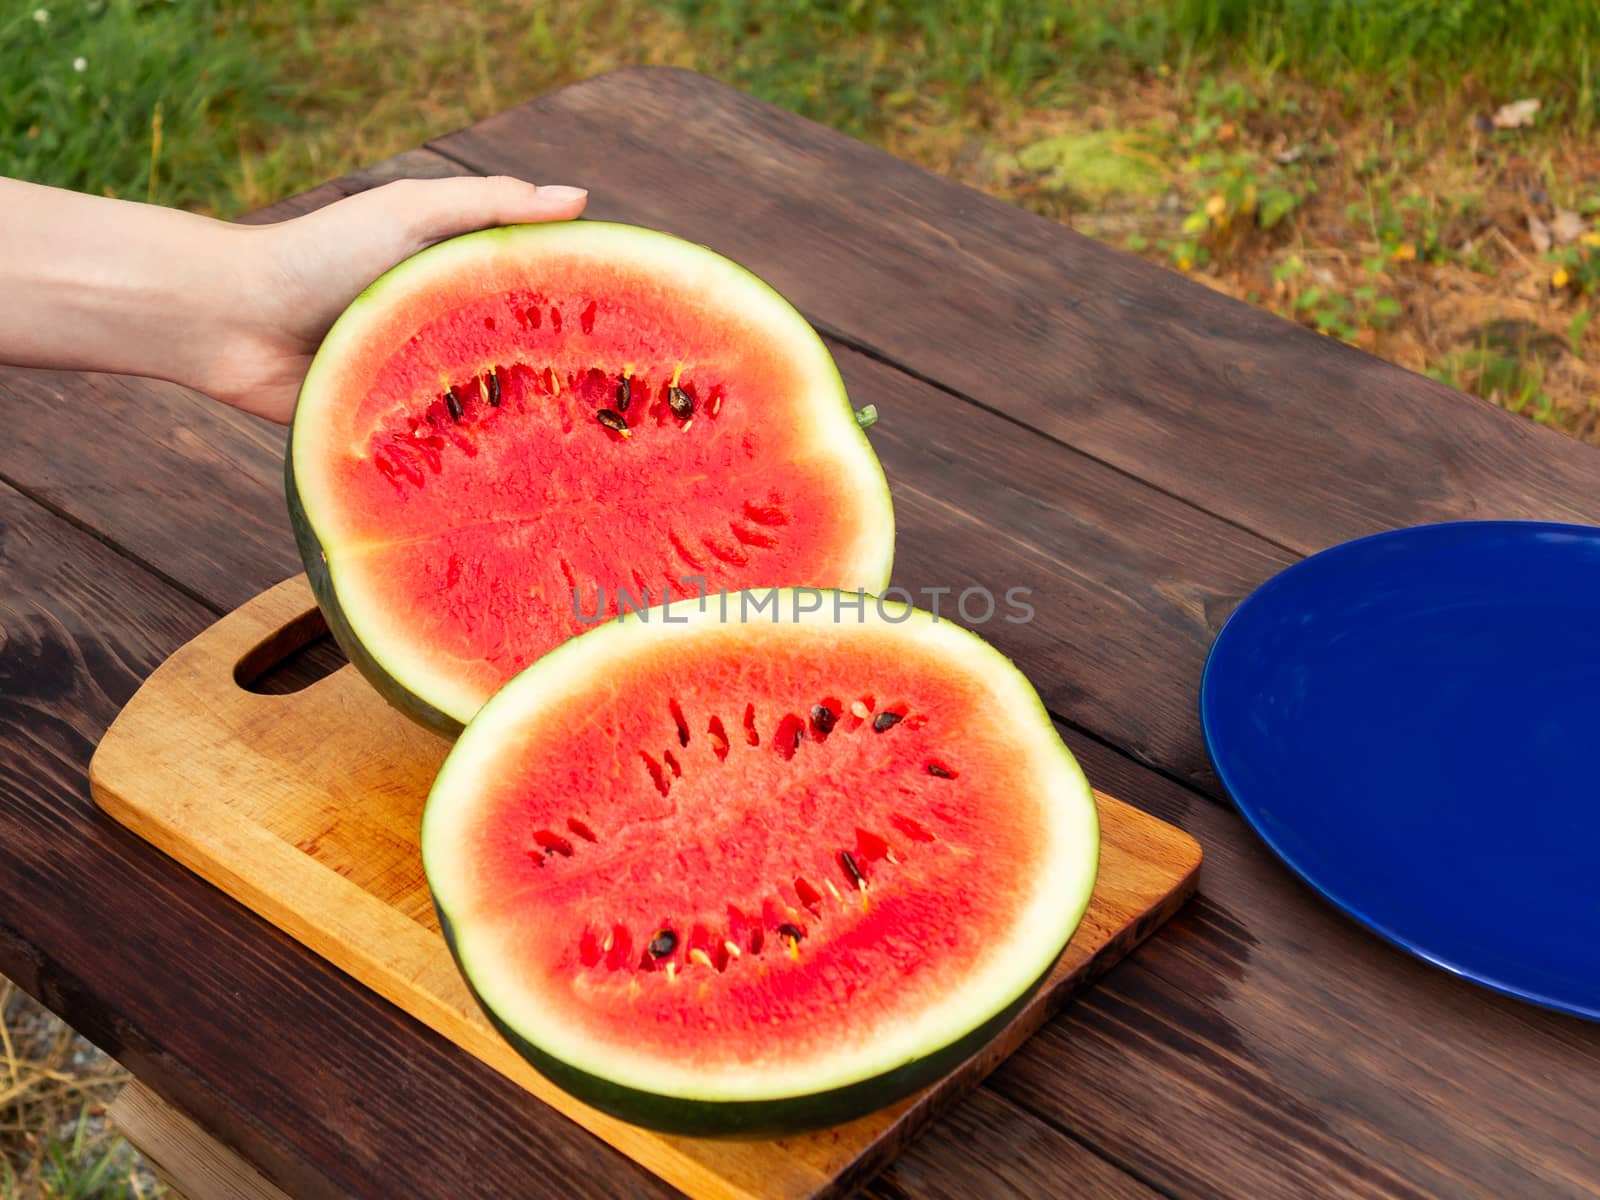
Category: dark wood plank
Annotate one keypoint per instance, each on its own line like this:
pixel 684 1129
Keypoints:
pixel 169 463
pixel 188 990
pixel 990 1147
pixel 181 483
pixel 209 478
pixel 1296 436
pixel 1128 585
pixel 228 1018
pixel 1263 1045
pixel 1275 1046
pixel 1308 980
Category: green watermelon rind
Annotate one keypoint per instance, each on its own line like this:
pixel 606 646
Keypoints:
pixel 321 580
pixel 384 666
pixel 785 1115
pixel 702 1115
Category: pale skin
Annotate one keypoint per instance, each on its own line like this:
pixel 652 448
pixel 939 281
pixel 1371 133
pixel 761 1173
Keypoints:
pixel 234 311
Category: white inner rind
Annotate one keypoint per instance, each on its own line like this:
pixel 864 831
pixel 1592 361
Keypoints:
pixel 1025 950
pixel 834 434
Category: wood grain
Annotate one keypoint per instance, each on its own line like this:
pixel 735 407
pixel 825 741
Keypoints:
pixel 315 1079
pixel 189 1161
pixel 1006 1152
pixel 224 1016
pixel 202 477
pixel 1264 1045
pixel 305 808
pixel 189 488
pixel 1261 1045
pixel 1295 436
pixel 1130 585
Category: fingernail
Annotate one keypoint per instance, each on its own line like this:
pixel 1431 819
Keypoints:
pixel 560 192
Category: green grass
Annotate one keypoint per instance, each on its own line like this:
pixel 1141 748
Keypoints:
pixel 845 61
pixel 55 1140
pixel 1550 46
pixel 195 102
pixel 136 98
pixel 85 1160
pixel 1317 156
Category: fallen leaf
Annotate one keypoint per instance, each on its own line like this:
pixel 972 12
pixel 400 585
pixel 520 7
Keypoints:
pixel 1539 231
pixel 1516 114
pixel 1567 227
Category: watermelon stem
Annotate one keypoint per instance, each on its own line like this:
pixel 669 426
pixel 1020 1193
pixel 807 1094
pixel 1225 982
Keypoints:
pixel 867 416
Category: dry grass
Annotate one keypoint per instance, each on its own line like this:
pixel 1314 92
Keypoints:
pixel 1240 145
pixel 1375 209
pixel 391 75
pixel 55 1141
pixel 1409 236
pixel 1407 224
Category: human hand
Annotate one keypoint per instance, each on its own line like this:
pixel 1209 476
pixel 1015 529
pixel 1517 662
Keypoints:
pixel 296 277
pixel 236 311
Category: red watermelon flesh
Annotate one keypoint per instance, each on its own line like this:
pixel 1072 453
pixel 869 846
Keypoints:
pixel 726 866
pixel 518 430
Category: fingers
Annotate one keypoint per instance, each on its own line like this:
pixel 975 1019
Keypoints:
pixel 302 272
pixel 432 209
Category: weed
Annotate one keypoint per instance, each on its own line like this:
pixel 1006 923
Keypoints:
pixel 1575 330
pixel 1510 365
pixel 1236 188
pixel 1577 266
pixel 1313 155
pixel 55 1140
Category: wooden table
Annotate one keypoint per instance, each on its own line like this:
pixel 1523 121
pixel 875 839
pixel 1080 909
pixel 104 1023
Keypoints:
pixel 1056 415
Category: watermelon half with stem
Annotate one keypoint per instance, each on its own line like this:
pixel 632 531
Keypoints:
pixel 756 875
pixel 518 432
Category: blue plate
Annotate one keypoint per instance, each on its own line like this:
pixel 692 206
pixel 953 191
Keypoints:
pixel 1412 722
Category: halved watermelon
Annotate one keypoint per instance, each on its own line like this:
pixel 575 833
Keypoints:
pixel 516 431
pixel 741 876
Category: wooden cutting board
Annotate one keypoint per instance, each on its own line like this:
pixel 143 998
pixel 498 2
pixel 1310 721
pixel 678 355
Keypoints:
pixel 305 807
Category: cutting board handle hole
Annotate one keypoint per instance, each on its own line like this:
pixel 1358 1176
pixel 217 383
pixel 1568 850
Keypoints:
pixel 291 659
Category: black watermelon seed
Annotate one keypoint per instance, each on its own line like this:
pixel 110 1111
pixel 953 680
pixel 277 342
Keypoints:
pixel 624 394
pixel 822 717
pixel 494 389
pixel 663 944
pixel 886 720
pixel 681 403
pixel 936 769
pixel 847 860
pixel 453 403
pixel 612 420
pixel 791 931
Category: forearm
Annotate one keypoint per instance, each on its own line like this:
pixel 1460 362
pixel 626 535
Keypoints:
pixel 108 285
pixel 236 311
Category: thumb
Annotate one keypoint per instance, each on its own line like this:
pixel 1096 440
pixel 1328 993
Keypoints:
pixel 429 210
